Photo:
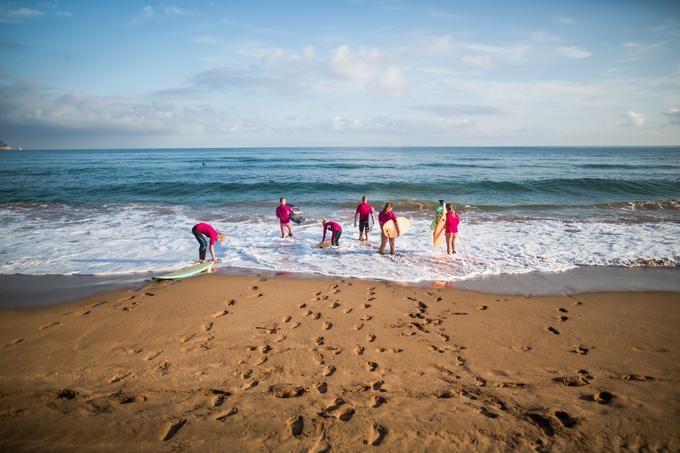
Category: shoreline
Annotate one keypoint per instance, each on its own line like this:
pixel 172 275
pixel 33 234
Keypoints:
pixel 261 363
pixel 38 291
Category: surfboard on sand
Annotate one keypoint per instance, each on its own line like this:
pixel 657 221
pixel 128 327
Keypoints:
pixel 187 271
pixel 438 235
pixel 323 245
pixel 391 231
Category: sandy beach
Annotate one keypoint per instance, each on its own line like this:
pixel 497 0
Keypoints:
pixel 253 363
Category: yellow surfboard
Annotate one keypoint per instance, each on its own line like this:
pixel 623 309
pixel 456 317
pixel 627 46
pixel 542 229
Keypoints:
pixel 438 235
pixel 391 231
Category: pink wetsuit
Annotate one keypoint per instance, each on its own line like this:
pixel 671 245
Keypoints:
pixel 333 227
pixel 452 222
pixel 207 230
pixel 283 213
pixel 383 218
pixel 364 209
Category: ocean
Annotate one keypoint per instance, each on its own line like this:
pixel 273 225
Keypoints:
pixel 105 212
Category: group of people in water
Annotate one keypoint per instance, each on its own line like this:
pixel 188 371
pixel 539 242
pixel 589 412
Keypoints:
pixel 206 235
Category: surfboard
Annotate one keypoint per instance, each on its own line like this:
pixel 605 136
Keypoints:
pixel 187 271
pixel 438 235
pixel 391 231
pixel 296 218
pixel 323 245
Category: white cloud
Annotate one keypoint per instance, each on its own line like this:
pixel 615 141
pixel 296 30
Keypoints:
pixel 177 11
pixel 483 61
pixel 19 15
pixel 393 81
pixel 309 53
pixel 275 56
pixel 347 65
pixel 673 115
pixel 573 52
pixel 438 45
pixel 566 20
pixel 634 119
pixel 513 53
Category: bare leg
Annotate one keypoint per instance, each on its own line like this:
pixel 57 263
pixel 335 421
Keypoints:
pixel 448 243
pixel 392 246
pixel 383 243
pixel 453 242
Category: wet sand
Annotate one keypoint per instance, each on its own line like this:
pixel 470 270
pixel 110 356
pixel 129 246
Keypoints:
pixel 247 363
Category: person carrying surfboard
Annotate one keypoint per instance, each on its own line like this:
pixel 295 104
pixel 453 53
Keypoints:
pixel 334 228
pixel 387 215
pixel 452 221
pixel 283 212
pixel 203 231
pixel 439 212
pixel 363 211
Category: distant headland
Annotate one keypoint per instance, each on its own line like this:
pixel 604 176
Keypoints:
pixel 5 147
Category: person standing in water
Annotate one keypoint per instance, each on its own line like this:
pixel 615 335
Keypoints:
pixel 335 229
pixel 363 211
pixel 283 212
pixel 387 215
pixel 452 221
pixel 439 212
pixel 203 231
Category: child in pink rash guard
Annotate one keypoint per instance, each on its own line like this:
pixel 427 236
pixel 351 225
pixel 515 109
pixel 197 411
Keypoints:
pixel 283 212
pixel 451 228
pixel 387 215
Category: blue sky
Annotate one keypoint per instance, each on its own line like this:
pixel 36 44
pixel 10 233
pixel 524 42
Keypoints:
pixel 339 73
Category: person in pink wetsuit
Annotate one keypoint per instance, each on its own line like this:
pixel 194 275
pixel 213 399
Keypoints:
pixel 283 212
pixel 387 215
pixel 451 228
pixel 334 228
pixel 363 211
pixel 206 234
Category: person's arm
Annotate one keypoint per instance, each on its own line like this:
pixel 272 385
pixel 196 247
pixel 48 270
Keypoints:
pixel 355 218
pixel 373 218
pixel 396 225
pixel 324 233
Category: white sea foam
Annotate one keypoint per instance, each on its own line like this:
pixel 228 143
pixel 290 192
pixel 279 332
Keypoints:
pixel 135 238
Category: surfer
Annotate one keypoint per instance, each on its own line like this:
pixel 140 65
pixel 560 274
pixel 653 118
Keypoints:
pixel 334 228
pixel 202 231
pixel 385 216
pixel 363 210
pixel 283 212
pixel 452 221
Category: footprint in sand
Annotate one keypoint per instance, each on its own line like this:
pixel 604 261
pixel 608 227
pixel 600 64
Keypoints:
pixel 603 397
pixel 308 312
pixel 172 428
pixel 231 302
pixel 186 338
pixel 365 305
pixel 366 318
pixel 222 312
pixel 359 326
pixel 287 318
pixel 552 330
pixel 395 350
pixel 265 348
pixel 261 360
pixel 285 391
pixel 486 412
pixel 344 414
pixel 296 325
pixel 563 310
pixel 328 371
pixel 120 376
pixel 246 374
pixel 250 384
pixel 13 342
pixel 371 366
pixel 377 401
pixel 567 420
pixel 316 315
pixel 321 387
pixel 444 337
pixel 318 340
pixel 279 339
pixel 327 325
pixel 62 394
pixel 370 337
pixel 482 307
pixel 208 326
pixel 334 305
pixel 563 318
pixel 377 385
pixel 375 435
pixel 226 414
pixel 296 425
pixel 47 326
pixel 217 396
pixel 302 305
pixel 542 422
pixel 358 349
pixel 163 368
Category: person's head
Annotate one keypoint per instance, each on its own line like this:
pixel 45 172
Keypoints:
pixel 220 236
pixel 388 207
pixel 441 202
pixel 324 221
pixel 364 199
pixel 282 200
pixel 450 207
